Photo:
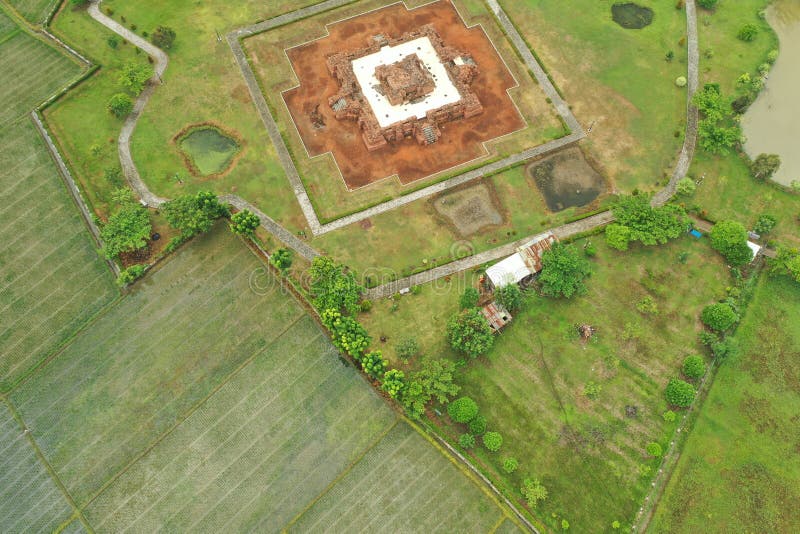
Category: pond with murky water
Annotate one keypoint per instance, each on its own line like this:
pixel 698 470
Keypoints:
pixel 772 124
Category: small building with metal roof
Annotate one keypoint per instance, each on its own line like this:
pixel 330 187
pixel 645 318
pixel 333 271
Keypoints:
pixel 525 262
pixel 496 315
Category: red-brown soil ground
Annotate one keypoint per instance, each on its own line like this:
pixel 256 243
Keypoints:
pixel 460 141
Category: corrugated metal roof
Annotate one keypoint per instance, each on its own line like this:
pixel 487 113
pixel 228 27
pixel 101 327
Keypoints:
pixel 497 315
pixel 531 252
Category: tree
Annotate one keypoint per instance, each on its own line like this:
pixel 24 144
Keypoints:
pixel 282 258
pixel 654 449
pixel 685 187
pixel 126 230
pixel 647 224
pixel 765 166
pixel 434 379
pixel 469 332
pixel 244 223
pixel 478 425
pixel 469 299
pixel 134 76
pixel 462 410
pixel 710 102
pixel 748 32
pixel 492 441
pixel 129 275
pixel 618 236
pixel 679 393
pixel 510 465
pixel 563 271
pixel 374 364
pixel 120 105
pixel 348 335
pixel 163 37
pixel 333 286
pixel 193 214
pixel 707 4
pixel 394 380
pixel 786 262
pixel 729 238
pixel 510 297
pixel 694 367
pixel 533 491
pixel 719 316
pixel 765 224
pixel 466 441
pixel 718 139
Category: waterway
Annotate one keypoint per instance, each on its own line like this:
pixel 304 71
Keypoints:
pixel 772 124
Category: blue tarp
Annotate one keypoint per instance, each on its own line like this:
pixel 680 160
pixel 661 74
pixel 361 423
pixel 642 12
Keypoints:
pixel 695 233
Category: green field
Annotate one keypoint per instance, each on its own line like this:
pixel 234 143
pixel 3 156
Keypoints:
pixel 740 470
pixel 53 280
pixel 34 11
pixel 30 500
pixel 23 60
pixel 530 386
pixel 208 400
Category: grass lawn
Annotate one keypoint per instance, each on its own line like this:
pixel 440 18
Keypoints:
pixel 34 11
pixel 615 80
pixel 30 500
pixel 23 60
pixel 739 470
pixel 53 280
pixel 587 453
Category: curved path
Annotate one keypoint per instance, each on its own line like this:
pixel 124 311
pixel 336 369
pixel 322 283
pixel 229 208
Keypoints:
pixel 562 232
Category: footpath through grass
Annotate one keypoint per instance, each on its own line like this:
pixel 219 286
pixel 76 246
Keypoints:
pixel 740 469
pixel 589 453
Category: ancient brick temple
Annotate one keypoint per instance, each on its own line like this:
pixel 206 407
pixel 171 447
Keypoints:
pixel 403 87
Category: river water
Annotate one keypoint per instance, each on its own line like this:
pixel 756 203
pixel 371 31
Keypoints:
pixel 772 124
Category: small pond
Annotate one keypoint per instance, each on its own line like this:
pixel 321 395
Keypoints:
pixel 209 149
pixel 772 124
pixel 631 16
pixel 566 180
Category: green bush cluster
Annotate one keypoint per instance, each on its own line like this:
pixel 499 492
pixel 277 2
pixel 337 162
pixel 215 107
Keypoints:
pixel 194 214
pixel 637 220
pixel 694 367
pixel 679 393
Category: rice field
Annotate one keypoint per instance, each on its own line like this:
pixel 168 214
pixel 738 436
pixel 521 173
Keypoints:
pixel 32 71
pixel 52 279
pixel 30 500
pixel 34 11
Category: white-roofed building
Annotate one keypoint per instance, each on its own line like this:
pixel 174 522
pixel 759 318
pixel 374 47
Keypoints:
pixel 526 262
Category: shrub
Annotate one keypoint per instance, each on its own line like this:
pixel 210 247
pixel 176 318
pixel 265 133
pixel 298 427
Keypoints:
pixel 765 166
pixel 679 393
pixel 748 32
pixel 592 390
pixel 244 223
pixel 787 263
pixel 765 224
pixel 618 236
pixel 365 306
pixel 466 441
pixel 615 525
pixel 707 4
pixel 510 297
pixel 647 306
pixel 685 186
pixel 120 105
pixel 694 366
pixel 492 441
pixel 393 382
pixel 589 250
pixel 478 425
pixel 163 37
pixel 469 333
pixel 564 524
pixel 193 214
pixel 669 416
pixel 113 41
pixel 130 274
pixel 719 317
pixel 510 465
pixel 654 449
pixel 469 299
pixel 462 410
pixel 282 258
pixel 126 230
pixel 563 271
pixel 533 491
pixel 134 76
pixel 681 81
pixel 374 364
pixel 772 57
pixel 729 238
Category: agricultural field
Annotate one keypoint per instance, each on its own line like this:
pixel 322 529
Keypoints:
pixel 53 280
pixel 162 422
pixel 739 469
pixel 30 500
pixel 34 11
pixel 23 60
pixel 587 452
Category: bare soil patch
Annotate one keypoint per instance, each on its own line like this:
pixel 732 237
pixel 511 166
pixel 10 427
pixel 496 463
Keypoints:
pixel 566 179
pixel 469 210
